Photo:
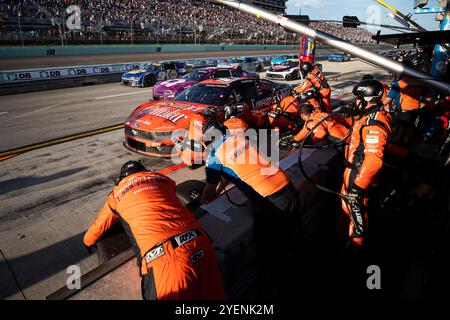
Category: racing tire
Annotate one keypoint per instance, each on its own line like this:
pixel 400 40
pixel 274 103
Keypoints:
pixel 112 243
pixel 190 192
pixel 149 81
pixel 295 75
pixel 260 68
pixel 289 77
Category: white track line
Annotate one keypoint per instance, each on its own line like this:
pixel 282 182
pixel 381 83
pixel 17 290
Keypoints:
pixel 36 111
pixel 3 113
pixel 124 94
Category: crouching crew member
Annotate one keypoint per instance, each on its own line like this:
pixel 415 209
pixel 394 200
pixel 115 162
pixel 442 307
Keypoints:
pixel 329 128
pixel 275 202
pixel 364 156
pixel 174 254
pixel 191 148
pixel 314 78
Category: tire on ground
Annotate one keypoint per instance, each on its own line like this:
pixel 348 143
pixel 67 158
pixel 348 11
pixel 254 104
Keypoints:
pixel 190 192
pixel 149 80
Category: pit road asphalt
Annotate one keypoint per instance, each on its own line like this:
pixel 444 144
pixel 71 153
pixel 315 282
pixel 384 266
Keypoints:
pixel 50 196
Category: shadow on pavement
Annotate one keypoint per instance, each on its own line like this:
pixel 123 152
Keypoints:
pixel 30 181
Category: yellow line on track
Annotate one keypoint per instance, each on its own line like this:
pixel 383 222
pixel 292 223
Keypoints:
pixel 15 152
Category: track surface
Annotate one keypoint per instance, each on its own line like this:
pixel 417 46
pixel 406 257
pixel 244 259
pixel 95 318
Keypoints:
pixel 50 196
pixel 63 61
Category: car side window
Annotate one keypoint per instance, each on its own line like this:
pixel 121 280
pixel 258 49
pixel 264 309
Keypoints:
pixel 264 89
pixel 247 92
pixel 236 74
pixel 222 74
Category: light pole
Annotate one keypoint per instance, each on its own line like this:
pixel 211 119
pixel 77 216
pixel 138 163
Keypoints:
pixel 20 29
pixel 59 29
pixel 131 29
pixel 200 31
pixel 101 29
pixel 157 32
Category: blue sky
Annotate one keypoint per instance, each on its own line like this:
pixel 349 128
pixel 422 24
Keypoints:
pixel 363 9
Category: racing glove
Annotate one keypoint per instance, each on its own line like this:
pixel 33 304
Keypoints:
pixel 88 249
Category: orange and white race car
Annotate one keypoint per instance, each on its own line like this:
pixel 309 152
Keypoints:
pixel 149 129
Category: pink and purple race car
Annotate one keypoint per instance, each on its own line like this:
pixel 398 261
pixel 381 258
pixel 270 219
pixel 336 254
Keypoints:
pixel 171 88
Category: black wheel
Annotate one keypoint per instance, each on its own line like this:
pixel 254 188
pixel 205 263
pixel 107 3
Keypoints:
pixel 149 81
pixel 259 68
pixel 289 77
pixel 112 243
pixel 189 192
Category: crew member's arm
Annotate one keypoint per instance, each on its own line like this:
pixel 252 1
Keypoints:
pixel 318 134
pixel 393 92
pixel 408 82
pixel 213 176
pixel 375 140
pixel 307 84
pixel 106 218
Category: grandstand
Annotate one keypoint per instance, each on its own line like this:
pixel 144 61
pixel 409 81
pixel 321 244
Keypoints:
pixel 145 21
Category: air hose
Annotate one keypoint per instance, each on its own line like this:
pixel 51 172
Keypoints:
pixel 303 146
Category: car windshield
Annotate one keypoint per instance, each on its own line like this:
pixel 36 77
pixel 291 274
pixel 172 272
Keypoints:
pixel 197 75
pixel 290 63
pixel 211 95
pixel 153 67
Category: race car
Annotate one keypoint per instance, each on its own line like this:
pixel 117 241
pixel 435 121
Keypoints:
pixel 289 70
pixel 283 59
pixel 149 129
pixel 153 73
pixel 171 88
pixel 245 63
pixel 339 57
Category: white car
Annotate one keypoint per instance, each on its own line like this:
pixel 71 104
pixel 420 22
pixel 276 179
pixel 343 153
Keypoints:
pixel 289 70
pixel 245 63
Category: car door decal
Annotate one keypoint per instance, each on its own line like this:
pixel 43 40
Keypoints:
pixel 161 76
pixel 171 74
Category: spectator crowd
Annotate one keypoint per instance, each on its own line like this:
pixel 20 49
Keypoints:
pixel 164 20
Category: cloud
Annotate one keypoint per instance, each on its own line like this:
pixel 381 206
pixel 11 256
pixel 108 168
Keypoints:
pixel 317 4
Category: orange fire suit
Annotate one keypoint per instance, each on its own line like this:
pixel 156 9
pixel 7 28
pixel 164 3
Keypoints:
pixel 409 94
pixel 275 203
pixel 316 79
pixel 330 127
pixel 174 254
pixel 364 157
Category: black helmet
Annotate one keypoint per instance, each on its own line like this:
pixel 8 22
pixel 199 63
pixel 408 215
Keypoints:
pixel 368 77
pixel 414 61
pixel 131 167
pixel 306 68
pixel 369 90
pixel 210 113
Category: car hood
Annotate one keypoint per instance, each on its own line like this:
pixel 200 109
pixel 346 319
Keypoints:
pixel 280 68
pixel 175 84
pixel 164 115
